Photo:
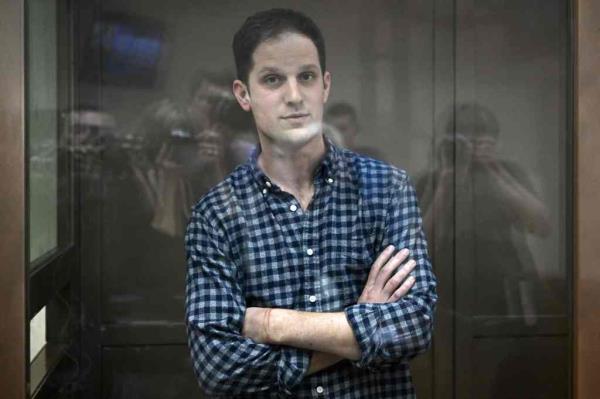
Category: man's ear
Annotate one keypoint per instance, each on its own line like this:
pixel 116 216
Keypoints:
pixel 242 95
pixel 326 85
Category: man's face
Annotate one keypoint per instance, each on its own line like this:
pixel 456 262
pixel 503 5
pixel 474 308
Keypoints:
pixel 287 90
pixel 346 125
pixel 199 105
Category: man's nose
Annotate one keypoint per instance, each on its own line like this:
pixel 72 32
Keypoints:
pixel 293 95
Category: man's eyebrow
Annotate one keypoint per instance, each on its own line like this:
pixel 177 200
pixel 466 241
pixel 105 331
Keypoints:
pixel 309 66
pixel 274 69
pixel 269 69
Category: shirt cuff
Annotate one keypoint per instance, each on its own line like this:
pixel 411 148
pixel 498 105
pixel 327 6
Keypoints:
pixel 364 321
pixel 292 367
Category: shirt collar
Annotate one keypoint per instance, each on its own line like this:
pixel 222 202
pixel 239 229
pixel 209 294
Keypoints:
pixel 327 169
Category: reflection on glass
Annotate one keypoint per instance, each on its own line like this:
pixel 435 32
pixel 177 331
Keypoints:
pixel 37 333
pixel 342 125
pixel 489 203
pixel 173 153
pixel 42 126
pixel 159 139
pixel 504 208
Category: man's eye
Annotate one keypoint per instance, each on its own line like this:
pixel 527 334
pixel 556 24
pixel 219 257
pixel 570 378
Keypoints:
pixel 271 79
pixel 307 76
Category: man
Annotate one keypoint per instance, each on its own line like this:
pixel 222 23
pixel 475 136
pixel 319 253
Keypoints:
pixel 285 293
pixel 342 117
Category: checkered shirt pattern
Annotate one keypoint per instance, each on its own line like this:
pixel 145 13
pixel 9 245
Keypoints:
pixel 249 243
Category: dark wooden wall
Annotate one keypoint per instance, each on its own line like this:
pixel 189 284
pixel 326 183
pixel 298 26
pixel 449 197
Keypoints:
pixel 587 198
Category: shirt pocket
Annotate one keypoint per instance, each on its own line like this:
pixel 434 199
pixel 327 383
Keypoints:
pixel 357 261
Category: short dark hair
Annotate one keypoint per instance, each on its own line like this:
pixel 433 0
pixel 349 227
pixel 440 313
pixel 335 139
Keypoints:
pixel 220 79
pixel 269 24
pixel 473 120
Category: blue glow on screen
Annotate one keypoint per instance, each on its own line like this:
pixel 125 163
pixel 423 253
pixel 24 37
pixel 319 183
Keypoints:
pixel 129 53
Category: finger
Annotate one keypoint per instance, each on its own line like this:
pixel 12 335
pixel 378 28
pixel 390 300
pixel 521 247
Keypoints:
pixel 387 270
pixel 399 277
pixel 403 289
pixel 379 262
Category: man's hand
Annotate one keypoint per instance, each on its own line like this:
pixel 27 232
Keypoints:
pixel 382 286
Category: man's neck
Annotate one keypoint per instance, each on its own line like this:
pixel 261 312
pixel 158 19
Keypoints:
pixel 292 168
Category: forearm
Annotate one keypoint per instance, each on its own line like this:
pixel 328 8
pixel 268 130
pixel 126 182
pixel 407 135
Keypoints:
pixel 526 206
pixel 227 364
pixel 323 332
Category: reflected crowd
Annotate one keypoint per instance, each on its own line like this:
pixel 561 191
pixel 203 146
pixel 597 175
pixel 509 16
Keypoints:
pixel 177 151
pixel 151 124
pixel 502 209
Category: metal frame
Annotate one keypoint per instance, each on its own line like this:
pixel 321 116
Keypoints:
pixel 53 279
pixel 13 203
pixel 89 226
pixel 444 77
pixel 569 179
pixel 581 173
pixel 24 290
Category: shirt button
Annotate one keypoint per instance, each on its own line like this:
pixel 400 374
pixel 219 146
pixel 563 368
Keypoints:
pixel 293 208
pixel 264 191
pixel 309 251
pixel 268 183
pixel 312 298
pixel 320 389
pixel 329 180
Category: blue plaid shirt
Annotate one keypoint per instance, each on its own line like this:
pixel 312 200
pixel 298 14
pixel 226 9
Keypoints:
pixel 251 244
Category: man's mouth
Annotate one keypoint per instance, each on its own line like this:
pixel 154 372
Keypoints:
pixel 295 116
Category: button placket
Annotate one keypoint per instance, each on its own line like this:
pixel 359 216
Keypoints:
pixel 306 259
pixel 315 281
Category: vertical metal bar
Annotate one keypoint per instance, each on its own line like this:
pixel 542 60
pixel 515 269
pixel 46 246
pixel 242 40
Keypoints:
pixel 442 245
pixel 13 328
pixel 90 207
pixel 568 177
pixel 464 235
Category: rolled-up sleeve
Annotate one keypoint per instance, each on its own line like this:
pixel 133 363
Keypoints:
pixel 225 362
pixel 391 332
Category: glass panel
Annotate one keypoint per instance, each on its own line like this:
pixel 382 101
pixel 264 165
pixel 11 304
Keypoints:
pixel 514 129
pixel 152 166
pixel 470 101
pixel 42 126
pixel 507 140
pixel 161 372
